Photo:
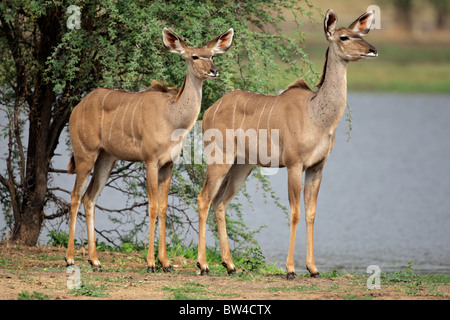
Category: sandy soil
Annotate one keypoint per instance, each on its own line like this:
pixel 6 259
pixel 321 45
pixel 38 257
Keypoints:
pixel 123 276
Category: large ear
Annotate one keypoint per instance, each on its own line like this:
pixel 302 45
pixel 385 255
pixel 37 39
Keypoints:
pixel 363 24
pixel 172 42
pixel 330 23
pixel 221 43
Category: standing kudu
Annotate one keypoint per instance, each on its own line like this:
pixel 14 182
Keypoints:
pixel 113 124
pixel 305 122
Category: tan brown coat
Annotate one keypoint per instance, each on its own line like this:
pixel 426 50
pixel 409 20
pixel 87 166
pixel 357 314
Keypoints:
pixel 306 121
pixel 114 124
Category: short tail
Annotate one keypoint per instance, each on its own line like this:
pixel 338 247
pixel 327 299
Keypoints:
pixel 72 168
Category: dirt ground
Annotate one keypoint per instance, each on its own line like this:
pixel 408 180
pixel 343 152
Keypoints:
pixel 123 277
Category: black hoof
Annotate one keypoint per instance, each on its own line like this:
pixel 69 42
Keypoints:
pixel 151 269
pixel 313 275
pixel 68 264
pixel 94 268
pixel 290 276
pixel 168 269
pixel 231 272
pixel 202 272
pixel 92 265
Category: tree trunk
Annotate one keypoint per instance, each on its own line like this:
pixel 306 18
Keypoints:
pixel 26 231
pixel 41 145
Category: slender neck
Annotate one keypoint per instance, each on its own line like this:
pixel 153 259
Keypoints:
pixel 183 112
pixel 328 105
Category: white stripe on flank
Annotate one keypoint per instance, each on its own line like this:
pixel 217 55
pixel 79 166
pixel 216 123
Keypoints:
pixel 270 113
pixel 245 107
pixel 114 117
pixel 234 110
pixel 103 113
pixel 83 120
pixel 82 147
pixel 124 113
pixel 84 113
pixel 260 115
pixel 215 111
pixel 132 119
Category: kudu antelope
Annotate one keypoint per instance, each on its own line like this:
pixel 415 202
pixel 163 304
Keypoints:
pixel 113 124
pixel 305 121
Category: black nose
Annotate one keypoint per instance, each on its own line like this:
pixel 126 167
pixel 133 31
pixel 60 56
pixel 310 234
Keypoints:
pixel 213 71
pixel 373 50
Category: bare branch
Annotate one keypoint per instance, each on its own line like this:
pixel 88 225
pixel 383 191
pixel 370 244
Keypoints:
pixel 53 170
pixel 134 206
pixel 59 189
pixel 4 181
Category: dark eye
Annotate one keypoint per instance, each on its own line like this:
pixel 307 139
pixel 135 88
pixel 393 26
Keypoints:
pixel 344 38
pixel 194 57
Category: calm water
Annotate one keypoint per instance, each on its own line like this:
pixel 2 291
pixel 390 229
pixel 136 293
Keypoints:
pixel 385 194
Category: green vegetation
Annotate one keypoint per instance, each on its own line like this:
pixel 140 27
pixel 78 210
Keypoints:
pixel 403 68
pixel 190 290
pixel 47 68
pixel 412 283
pixel 90 290
pixel 43 77
pixel 249 259
pixel 302 288
pixel 36 295
pixel 41 274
